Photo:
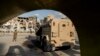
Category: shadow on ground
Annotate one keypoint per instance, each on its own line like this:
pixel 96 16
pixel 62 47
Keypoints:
pixel 71 52
pixel 33 50
pixel 1 48
pixel 16 50
pixel 29 42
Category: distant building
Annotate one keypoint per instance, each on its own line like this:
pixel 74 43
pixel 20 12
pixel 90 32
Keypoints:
pixel 47 18
pixel 22 24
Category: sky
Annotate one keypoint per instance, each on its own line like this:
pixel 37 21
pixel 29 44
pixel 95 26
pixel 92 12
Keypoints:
pixel 43 13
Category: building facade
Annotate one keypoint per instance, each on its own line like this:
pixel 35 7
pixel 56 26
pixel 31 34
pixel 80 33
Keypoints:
pixel 21 24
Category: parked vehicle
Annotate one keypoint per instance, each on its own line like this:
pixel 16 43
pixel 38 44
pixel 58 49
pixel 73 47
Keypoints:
pixel 56 33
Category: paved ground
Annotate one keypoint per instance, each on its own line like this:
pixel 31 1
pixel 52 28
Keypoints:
pixel 18 48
